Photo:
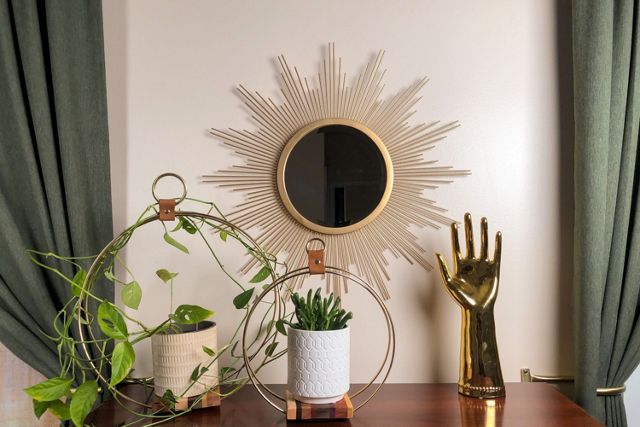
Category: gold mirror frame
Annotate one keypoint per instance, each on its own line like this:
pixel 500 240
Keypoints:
pixel 332 100
pixel 282 188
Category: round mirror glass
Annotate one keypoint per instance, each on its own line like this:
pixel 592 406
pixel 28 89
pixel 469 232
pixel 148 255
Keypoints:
pixel 335 176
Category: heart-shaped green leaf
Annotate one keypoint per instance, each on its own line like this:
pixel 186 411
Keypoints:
pixel 82 402
pixel 165 275
pixel 173 242
pixel 111 321
pixel 261 275
pixel 187 314
pixel 211 352
pixel 270 348
pixel 241 300
pixel 195 374
pixel 169 399
pixel 49 390
pixel 60 410
pixel 131 295
pixel 227 370
pixel 122 360
pixel 188 226
pixel 78 282
pixel 56 407
pixel 39 408
pixel 280 327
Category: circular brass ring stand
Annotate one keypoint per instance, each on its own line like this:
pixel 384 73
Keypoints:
pixel 116 244
pixel 382 373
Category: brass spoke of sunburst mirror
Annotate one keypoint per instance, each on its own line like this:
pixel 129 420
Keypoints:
pixel 308 103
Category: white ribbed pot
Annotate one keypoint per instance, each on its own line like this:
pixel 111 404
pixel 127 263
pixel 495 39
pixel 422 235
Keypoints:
pixel 318 365
pixel 176 355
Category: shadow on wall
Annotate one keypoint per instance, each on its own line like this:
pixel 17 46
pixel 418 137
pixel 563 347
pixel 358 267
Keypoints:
pixel 117 106
pixel 565 351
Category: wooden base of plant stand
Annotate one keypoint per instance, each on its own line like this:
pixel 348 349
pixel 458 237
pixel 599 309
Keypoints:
pixel 209 400
pixel 297 410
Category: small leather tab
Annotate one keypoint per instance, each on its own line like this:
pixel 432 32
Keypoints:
pixel 167 209
pixel 316 261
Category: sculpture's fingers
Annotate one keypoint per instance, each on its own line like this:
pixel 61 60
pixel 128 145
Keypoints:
pixel 484 238
pixel 455 245
pixel 498 251
pixel 468 231
pixel 444 270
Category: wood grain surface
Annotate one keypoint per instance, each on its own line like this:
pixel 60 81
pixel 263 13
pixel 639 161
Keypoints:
pixel 406 405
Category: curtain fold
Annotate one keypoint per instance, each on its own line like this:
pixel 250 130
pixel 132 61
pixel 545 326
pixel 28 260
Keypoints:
pixel 55 192
pixel 606 37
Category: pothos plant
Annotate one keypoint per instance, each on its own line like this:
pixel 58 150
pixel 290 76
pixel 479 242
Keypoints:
pixel 74 391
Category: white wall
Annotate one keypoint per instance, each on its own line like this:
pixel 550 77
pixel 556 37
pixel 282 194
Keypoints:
pixel 171 70
pixel 631 399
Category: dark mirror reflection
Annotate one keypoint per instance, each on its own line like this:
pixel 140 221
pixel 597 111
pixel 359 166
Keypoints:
pixel 335 176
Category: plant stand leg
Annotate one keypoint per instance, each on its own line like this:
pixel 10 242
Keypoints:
pixel 296 410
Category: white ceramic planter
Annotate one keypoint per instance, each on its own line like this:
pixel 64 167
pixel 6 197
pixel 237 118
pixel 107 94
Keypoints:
pixel 175 356
pixel 318 365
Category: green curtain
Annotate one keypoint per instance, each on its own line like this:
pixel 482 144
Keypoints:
pixel 55 190
pixel 606 77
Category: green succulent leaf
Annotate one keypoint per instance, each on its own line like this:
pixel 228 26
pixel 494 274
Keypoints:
pixel 165 275
pixel 122 361
pixel 223 235
pixel 261 275
pixel 50 390
pixel 280 327
pixel 241 300
pixel 187 314
pixel 173 242
pixel 131 295
pixel 315 313
pixel 111 321
pixel 78 282
pixel 82 402
pixel 271 348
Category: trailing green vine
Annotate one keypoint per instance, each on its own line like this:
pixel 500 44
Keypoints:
pixel 103 355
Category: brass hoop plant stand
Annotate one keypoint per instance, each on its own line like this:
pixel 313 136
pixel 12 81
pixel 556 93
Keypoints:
pixel 272 397
pixel 84 323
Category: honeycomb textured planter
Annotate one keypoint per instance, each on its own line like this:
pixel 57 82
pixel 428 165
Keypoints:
pixel 175 356
pixel 318 365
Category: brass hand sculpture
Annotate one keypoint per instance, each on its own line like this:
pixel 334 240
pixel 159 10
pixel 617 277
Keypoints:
pixel 474 286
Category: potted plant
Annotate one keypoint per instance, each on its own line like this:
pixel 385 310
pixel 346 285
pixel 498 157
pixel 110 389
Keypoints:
pixel 318 349
pixel 182 351
pixel 75 390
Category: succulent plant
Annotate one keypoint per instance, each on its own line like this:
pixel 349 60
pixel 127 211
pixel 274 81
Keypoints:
pixel 318 314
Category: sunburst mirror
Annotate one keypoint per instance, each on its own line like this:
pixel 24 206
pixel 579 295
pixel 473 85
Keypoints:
pixel 334 160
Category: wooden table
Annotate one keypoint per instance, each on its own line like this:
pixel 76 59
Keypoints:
pixel 396 405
